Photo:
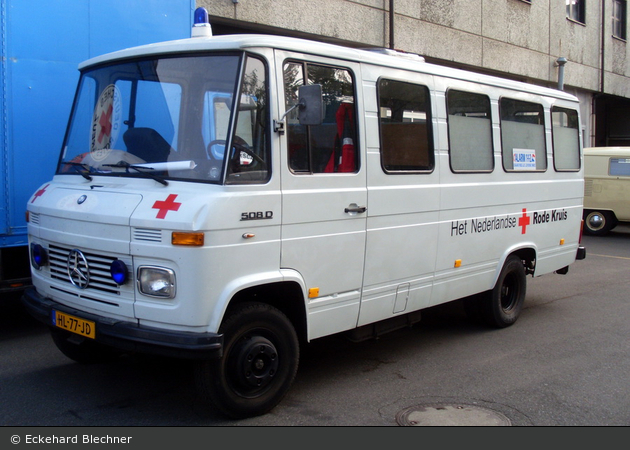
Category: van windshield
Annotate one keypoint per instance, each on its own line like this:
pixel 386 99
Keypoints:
pixel 171 118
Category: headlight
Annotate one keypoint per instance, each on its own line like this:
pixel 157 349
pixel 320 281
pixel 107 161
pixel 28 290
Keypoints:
pixel 156 281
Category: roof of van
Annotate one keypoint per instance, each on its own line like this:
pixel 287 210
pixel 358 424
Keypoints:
pixel 607 151
pixel 382 57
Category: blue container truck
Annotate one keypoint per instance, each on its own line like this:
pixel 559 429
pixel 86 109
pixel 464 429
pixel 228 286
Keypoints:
pixel 42 43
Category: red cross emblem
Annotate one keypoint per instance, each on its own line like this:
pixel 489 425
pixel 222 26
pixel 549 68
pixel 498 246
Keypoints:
pixel 39 193
pixel 164 206
pixel 523 221
pixel 106 123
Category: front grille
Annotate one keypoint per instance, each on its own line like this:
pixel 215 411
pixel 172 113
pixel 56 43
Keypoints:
pixel 99 265
pixel 147 234
pixel 33 218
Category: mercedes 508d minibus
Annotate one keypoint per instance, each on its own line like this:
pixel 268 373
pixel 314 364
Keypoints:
pixel 228 198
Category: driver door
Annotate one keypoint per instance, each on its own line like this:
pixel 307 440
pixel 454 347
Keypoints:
pixel 324 194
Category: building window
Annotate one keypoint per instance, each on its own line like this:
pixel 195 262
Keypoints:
pixel 619 19
pixel 575 10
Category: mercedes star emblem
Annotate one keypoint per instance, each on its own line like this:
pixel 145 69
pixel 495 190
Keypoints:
pixel 78 269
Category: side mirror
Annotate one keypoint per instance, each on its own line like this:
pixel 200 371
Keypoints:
pixel 311 105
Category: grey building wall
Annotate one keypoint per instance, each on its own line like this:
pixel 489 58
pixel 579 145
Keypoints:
pixel 515 38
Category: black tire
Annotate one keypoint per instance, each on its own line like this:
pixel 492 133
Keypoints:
pixel 501 306
pixel 598 223
pixel 82 350
pixel 259 363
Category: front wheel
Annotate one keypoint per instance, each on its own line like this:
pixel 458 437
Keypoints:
pixel 259 363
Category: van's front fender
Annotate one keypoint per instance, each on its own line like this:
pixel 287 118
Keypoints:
pixel 237 285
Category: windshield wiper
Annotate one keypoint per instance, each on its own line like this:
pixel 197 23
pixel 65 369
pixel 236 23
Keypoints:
pixel 140 169
pixel 85 173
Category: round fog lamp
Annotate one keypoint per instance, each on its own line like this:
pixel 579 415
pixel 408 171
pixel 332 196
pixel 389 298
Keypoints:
pixel 118 270
pixel 38 256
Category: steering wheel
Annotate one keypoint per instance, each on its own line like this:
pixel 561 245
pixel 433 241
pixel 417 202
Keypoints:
pixel 212 144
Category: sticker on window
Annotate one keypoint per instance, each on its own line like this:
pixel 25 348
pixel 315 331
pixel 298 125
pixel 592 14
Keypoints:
pixel 524 159
pixel 105 122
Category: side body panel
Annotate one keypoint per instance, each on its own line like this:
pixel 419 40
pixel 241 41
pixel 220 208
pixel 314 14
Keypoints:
pixel 403 218
pixel 320 240
pixel 441 235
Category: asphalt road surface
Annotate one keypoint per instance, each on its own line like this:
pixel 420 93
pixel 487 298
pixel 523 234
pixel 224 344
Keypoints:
pixel 564 363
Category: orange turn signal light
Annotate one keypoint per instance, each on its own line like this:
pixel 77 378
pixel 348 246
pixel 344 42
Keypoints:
pixel 186 238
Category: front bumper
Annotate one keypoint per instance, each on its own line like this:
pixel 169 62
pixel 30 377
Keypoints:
pixel 131 336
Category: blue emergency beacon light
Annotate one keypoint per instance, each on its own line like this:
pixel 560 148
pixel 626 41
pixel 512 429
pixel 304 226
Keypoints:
pixel 201 26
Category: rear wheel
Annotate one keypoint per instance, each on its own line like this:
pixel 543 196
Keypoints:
pixel 501 306
pixel 259 363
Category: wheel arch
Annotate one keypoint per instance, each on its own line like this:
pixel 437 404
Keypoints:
pixel 526 253
pixel 586 210
pixel 286 296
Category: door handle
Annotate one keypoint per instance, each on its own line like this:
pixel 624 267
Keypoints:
pixel 354 208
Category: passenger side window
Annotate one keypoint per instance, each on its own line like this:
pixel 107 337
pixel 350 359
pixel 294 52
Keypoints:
pixel 405 127
pixel 523 136
pixel 566 139
pixel 249 158
pixel 469 132
pixel 332 146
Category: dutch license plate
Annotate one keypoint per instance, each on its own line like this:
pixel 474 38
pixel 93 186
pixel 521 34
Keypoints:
pixel 74 324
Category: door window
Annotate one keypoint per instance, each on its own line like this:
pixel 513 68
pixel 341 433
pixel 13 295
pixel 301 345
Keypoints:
pixel 332 146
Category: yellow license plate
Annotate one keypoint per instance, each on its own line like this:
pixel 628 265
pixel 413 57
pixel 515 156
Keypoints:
pixel 74 324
